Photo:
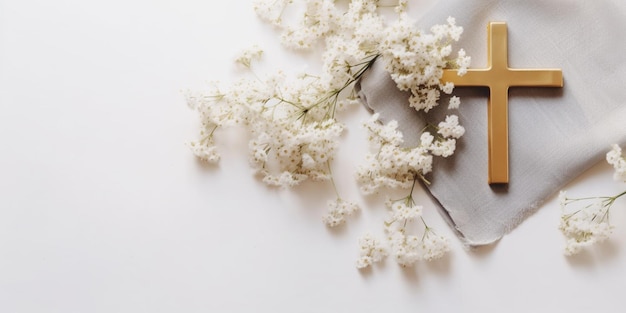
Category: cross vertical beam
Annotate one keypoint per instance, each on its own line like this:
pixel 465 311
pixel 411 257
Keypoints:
pixel 498 77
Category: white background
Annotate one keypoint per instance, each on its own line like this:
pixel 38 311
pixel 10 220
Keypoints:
pixel 104 209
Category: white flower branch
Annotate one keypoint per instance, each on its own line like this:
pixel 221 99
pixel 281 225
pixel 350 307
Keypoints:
pixel 293 123
pixel 588 222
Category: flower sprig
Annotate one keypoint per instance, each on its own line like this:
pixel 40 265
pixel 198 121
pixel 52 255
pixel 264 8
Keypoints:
pixel 405 247
pixel 588 222
pixel 293 122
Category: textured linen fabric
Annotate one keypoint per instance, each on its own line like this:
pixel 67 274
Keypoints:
pixel 554 133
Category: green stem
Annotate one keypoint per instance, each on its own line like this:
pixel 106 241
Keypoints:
pixel 210 135
pixel 426 228
pixel 619 195
pixel 413 186
pixel 332 180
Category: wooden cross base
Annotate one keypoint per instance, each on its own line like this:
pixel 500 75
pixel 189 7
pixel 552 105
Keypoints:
pixel 499 77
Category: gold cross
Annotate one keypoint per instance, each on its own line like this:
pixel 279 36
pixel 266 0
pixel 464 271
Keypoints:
pixel 499 77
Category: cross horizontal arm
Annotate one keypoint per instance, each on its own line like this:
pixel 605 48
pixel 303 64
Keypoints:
pixel 513 77
pixel 473 77
pixel 536 77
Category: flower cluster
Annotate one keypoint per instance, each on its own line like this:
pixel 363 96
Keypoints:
pixel 588 223
pixel 615 158
pixel 416 60
pixel 393 165
pixel 360 24
pixel 293 123
pixel 371 250
pixel 338 210
pixel 406 248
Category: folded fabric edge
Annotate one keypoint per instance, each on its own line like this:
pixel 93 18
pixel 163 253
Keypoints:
pixel 446 216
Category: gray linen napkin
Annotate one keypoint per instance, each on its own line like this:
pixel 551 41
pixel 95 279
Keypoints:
pixel 554 133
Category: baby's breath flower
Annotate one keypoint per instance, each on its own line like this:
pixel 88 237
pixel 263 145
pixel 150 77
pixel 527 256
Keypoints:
pixel 588 223
pixel 416 60
pixel 617 160
pixel 270 10
pixel 318 20
pixel 447 87
pixel 433 246
pixel 447 31
pixel 443 148
pixel 205 151
pixel 390 164
pixel 454 103
pixel 246 56
pixel 403 209
pixel 406 248
pixel 462 62
pixel 371 250
pixel 451 128
pixel 338 210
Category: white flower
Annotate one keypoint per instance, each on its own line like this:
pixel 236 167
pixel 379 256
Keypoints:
pixel 587 225
pixel 454 103
pixel 408 249
pixel 424 99
pixel 447 88
pixel 205 151
pixel 463 62
pixel 371 250
pixel 405 210
pixel 317 21
pixel 284 179
pixel 270 10
pixel 390 164
pixel 451 128
pixel 615 158
pixel 383 134
pixel 416 60
pixel 426 139
pixel 338 210
pixel 433 246
pixel 443 148
pixel 246 56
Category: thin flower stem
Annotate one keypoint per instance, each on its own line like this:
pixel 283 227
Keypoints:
pixel 213 130
pixel 333 97
pixel 605 198
pixel 619 195
pixel 413 186
pixel 210 135
pixel 426 228
pixel 332 180
pixel 585 198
